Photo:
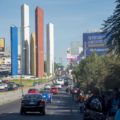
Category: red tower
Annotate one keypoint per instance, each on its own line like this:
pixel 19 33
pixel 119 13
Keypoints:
pixel 39 18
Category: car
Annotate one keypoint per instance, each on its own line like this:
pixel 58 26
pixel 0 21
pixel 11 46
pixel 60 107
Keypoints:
pixel 12 86
pixel 75 90
pixel 59 86
pixel 33 91
pixel 47 95
pixel 2 87
pixel 47 86
pixel 60 81
pixel 32 103
pixel 54 90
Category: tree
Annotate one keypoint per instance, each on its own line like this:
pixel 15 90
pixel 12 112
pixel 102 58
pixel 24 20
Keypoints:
pixel 111 27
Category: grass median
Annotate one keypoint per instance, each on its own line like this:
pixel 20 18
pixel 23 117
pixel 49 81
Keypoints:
pixel 29 82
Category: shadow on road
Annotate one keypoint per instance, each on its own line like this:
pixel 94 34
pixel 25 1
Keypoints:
pixel 37 116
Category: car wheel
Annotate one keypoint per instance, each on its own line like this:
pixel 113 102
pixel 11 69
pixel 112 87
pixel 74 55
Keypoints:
pixel 43 112
pixel 22 111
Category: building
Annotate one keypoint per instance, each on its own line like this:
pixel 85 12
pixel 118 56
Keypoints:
pixel 50 49
pixel 2 46
pixel 74 52
pixel 5 65
pixel 76 48
pixel 94 42
pixel 33 54
pixel 39 18
pixel 25 37
pixel 14 50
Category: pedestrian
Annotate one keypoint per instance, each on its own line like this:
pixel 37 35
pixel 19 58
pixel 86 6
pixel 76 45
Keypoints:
pixel 95 107
pixel 117 115
pixel 113 104
pixel 81 100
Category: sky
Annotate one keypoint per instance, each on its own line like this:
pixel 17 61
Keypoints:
pixel 71 18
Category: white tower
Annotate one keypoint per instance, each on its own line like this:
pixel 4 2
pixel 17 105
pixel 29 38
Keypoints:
pixel 50 49
pixel 25 39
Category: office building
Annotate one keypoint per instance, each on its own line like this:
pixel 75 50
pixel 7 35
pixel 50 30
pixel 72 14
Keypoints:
pixel 25 37
pixel 14 50
pixel 39 18
pixel 50 49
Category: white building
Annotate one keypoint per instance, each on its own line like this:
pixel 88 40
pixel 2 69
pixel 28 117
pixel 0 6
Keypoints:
pixel 50 49
pixel 25 39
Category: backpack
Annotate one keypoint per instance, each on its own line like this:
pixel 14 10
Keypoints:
pixel 96 104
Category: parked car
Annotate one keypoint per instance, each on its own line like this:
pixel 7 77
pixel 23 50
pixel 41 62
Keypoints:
pixel 33 91
pixel 47 95
pixel 54 90
pixel 12 86
pixel 32 103
pixel 3 87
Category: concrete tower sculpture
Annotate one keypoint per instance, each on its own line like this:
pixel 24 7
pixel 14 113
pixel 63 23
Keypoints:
pixel 14 50
pixel 39 18
pixel 25 39
pixel 33 54
pixel 50 49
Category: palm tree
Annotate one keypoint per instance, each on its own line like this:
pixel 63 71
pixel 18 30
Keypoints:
pixel 111 27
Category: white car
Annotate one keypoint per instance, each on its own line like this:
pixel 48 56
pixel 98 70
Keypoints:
pixel 47 86
pixel 57 85
pixel 3 86
pixel 60 81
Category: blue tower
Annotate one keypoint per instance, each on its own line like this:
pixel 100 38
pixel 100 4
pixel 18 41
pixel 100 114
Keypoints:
pixel 14 50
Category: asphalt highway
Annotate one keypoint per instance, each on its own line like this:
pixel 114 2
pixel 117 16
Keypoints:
pixel 61 108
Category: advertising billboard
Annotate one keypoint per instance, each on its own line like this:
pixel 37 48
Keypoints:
pixel 94 42
pixel 2 44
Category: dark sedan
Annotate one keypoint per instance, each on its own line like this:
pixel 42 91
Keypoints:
pixel 32 103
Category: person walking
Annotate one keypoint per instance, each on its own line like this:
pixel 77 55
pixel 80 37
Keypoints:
pixel 95 107
pixel 113 104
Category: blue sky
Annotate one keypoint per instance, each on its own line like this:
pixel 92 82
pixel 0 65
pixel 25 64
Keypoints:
pixel 71 18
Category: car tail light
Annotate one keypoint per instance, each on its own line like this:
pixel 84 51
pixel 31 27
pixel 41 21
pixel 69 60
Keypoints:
pixel 42 102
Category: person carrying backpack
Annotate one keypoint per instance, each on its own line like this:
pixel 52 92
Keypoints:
pixel 113 104
pixel 95 107
pixel 117 115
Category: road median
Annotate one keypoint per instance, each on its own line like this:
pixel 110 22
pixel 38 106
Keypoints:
pixel 7 97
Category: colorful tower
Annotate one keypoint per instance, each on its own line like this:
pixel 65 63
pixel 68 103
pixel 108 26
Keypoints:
pixel 25 37
pixel 50 49
pixel 39 15
pixel 33 54
pixel 14 50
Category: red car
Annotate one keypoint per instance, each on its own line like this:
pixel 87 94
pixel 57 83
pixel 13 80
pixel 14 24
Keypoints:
pixel 54 90
pixel 33 91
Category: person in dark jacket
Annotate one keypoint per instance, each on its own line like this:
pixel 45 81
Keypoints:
pixel 95 107
pixel 113 104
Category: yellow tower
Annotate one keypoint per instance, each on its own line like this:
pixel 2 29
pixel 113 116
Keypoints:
pixel 33 54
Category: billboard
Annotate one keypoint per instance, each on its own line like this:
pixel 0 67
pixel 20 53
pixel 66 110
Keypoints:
pixel 72 57
pixel 94 42
pixel 2 44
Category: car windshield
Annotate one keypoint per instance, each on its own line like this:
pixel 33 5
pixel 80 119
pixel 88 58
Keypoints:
pixel 32 96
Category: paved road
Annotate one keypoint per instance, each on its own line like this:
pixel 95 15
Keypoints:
pixel 62 108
